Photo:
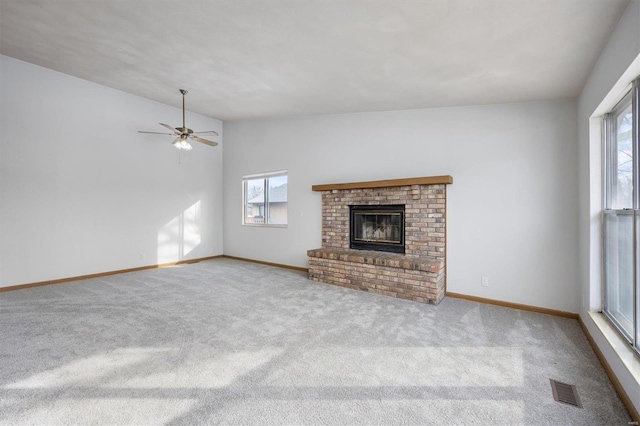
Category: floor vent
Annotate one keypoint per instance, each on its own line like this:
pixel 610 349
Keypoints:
pixel 565 393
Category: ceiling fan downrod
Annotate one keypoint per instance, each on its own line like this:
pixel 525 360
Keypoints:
pixel 184 92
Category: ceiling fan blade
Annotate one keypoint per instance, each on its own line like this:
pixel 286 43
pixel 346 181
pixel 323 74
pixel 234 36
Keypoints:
pixel 155 133
pixel 204 141
pixel 208 132
pixel 175 131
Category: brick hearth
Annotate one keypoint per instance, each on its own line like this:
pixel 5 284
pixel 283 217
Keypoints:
pixel 417 275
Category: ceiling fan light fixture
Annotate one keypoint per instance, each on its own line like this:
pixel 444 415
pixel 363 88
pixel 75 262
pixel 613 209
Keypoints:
pixel 182 143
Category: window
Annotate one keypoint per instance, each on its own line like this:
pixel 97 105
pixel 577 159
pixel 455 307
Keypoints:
pixel 621 217
pixel 265 199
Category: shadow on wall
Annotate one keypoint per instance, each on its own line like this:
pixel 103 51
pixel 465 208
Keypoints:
pixel 178 237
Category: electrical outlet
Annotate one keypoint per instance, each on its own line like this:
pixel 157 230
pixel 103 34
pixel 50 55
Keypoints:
pixel 142 256
pixel 484 282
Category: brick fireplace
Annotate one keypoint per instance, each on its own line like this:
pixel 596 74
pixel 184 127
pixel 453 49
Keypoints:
pixel 419 273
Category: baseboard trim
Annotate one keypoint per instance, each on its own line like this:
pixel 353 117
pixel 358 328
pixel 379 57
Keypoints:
pixel 514 305
pixel 103 274
pixel 261 262
pixel 612 376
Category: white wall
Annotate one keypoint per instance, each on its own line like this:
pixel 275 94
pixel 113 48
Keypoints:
pixel 511 208
pixel 615 65
pixel 82 192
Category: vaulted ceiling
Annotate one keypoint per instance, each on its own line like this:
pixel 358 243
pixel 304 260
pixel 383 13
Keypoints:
pixel 255 58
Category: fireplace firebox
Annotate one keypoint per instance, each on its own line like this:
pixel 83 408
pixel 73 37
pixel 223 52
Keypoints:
pixel 377 227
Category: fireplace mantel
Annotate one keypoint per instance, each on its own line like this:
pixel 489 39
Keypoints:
pixel 427 180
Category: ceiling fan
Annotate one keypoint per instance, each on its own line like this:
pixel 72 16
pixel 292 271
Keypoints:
pixel 185 134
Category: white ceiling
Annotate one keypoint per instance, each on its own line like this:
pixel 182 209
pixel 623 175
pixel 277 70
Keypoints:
pixel 255 58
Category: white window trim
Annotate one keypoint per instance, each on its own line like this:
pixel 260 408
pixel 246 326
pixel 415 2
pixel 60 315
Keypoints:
pixel 266 175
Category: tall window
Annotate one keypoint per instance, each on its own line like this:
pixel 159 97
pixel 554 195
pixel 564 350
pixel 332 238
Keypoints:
pixel 265 199
pixel 621 217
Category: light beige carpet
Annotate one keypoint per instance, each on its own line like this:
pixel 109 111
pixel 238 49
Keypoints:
pixel 231 342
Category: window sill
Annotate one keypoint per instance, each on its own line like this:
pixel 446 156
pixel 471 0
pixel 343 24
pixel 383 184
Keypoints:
pixel 618 344
pixel 260 225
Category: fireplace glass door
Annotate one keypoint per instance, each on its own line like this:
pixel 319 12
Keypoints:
pixel 378 228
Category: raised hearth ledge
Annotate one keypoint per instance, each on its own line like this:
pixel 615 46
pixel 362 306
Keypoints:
pixel 427 180
pixel 391 260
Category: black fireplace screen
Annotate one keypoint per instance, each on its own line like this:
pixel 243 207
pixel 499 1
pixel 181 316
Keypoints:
pixel 377 228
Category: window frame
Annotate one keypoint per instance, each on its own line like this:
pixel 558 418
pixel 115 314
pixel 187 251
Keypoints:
pixel 266 207
pixel 609 198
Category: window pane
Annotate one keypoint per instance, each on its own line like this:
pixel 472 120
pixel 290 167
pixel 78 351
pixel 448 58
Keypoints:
pixel 277 198
pixel 254 201
pixel 622 151
pixel 618 263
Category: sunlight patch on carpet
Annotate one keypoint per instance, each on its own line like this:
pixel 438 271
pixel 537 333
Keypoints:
pixel 385 412
pixel 210 370
pixel 402 366
pixel 106 411
pixel 88 370
pixel 151 368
